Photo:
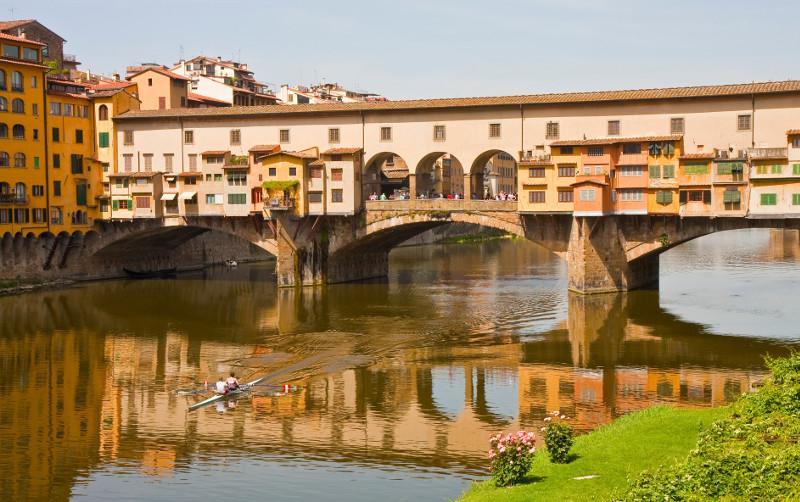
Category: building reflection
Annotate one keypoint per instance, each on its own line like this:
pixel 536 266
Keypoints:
pixel 82 394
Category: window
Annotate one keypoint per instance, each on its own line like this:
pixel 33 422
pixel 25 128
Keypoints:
pixel 148 162
pixel 631 171
pixel 2 80
pixel 314 197
pixel 39 215
pixel 536 172
pixel 76 163
pixel 102 112
pixel 565 196
pixel 18 106
pixel 386 134
pixel 18 132
pixel 35 109
pixel 613 127
pixel 128 162
pixel 551 131
pixel 142 202
pixel 236 178
pixel 796 199
pixel 11 51
pixel 19 159
pixel 796 142
pixel 124 204
pixel 283 136
pixel 743 122
pixel 3 130
pixel 30 54
pixel 127 138
pixel 494 130
pixel 56 160
pixel 333 135
pixel 566 171
pixel 777 169
pixel 769 199
pixel 67 110
pixel 632 148
pixel 664 197
pixel 676 125
pixel 655 172
pixel 336 158
pixel 3 104
pixel 693 169
pixel 214 198
pixel 36 134
pixel 631 195
pixel 536 196
pixel 595 151
pixel 192 162
pixel 566 150
pixel 188 137
pixel 697 196
pixel 316 172
pixel 336 175
pixel 121 182
pixel 292 171
pixel 190 180
pixel 438 133
pixel 4 159
pixel 57 188
pixel 16 81
pixel 78 136
pixel 588 195
pixel 236 136
pixel 168 162
pixel 796 169
pixel 273 171
pixel 55 108
pixel 102 140
pixel 36 162
pixel 731 196
pixel 730 168
pixel 237 198
pixel 337 195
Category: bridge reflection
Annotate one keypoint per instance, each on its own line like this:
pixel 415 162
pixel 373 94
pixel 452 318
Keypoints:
pixel 82 392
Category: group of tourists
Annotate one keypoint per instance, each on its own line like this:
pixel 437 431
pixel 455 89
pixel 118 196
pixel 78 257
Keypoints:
pixel 500 196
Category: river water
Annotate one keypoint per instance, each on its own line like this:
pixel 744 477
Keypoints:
pixel 395 386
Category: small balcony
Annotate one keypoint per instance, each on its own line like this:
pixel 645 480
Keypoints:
pixel 279 204
pixel 768 153
pixel 238 161
pixel 536 157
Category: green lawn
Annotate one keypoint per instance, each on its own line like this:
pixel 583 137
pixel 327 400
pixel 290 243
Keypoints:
pixel 615 454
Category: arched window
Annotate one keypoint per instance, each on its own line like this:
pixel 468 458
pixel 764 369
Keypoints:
pixel 19 191
pixel 3 159
pixel 18 106
pixel 2 80
pixel 16 81
pixel 3 104
pixel 19 159
pixel 103 112
pixel 3 130
pixel 18 131
pixel 5 188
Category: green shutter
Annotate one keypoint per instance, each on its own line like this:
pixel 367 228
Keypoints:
pixel 737 168
pixel 669 172
pixel 103 140
pixel 796 199
pixel 795 168
pixel 664 197
pixel 655 172
pixel 769 199
pixel 725 168
pixel 36 162
pixel 695 168
pixel 114 205
pixel 731 196
pixel 130 204
pixel 777 169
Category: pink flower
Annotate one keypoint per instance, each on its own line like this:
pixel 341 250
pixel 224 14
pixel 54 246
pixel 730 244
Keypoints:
pixel 547 419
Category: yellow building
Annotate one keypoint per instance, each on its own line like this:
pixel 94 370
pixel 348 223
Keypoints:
pixel 289 182
pixel 663 160
pixel 109 99
pixel 74 172
pixel 23 173
pixel 545 181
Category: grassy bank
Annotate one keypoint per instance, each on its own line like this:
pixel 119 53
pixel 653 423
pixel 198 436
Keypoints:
pixel 613 454
pixel 473 238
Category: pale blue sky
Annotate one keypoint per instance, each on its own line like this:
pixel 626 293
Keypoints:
pixel 441 48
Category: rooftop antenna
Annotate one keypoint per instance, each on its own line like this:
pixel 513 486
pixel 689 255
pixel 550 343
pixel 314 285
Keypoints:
pixel 180 52
pixel 12 13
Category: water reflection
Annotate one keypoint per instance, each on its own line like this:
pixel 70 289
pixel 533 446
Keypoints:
pixel 408 377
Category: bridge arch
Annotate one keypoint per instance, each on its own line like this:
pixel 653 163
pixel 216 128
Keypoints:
pixel 385 173
pixel 493 172
pixel 439 173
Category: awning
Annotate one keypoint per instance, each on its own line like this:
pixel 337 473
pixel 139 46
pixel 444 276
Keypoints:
pixel 187 195
pixel 168 196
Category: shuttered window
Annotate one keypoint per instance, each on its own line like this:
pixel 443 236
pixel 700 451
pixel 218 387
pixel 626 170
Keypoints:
pixel 314 197
pixel 102 140
pixel 731 196
pixel 655 172
pixel 691 169
pixel 668 172
pixel 777 169
pixel 536 196
pixel 730 167
pixel 796 169
pixel 565 196
pixel 796 199
pixel 536 172
pixel 769 199
pixel 664 197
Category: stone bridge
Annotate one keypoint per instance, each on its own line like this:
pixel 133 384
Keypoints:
pixel 610 253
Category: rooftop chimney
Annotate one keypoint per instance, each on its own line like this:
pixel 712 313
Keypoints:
pixel 116 77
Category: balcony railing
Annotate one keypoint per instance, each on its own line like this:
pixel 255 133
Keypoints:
pixel 279 204
pixel 768 153
pixel 535 157
pixel 12 198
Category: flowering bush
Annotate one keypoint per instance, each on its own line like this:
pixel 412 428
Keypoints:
pixel 511 456
pixel 558 437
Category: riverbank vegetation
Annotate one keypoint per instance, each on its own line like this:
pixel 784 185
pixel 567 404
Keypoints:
pixel 748 450
pixel 603 460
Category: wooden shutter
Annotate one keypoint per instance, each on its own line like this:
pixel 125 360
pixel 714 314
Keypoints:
pixel 682 197
pixel 655 172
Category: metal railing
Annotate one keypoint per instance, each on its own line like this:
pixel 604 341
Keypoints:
pixel 768 153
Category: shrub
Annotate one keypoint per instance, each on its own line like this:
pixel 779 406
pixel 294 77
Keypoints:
pixel 558 437
pixel 511 456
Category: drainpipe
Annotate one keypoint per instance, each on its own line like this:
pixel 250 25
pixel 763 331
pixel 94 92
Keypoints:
pixel 521 131
pixel 753 125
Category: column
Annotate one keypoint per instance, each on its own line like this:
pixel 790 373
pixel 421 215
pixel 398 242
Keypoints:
pixel 412 185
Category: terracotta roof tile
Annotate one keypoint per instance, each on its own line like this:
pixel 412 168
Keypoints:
pixel 162 71
pixel 788 86
pixel 142 175
pixel 214 153
pixel 342 151
pixel 199 97
pixel 265 148
pixel 793 132
pixel 6 36
pixel 317 163
pixel 614 141
pixel 698 156
pixel 190 174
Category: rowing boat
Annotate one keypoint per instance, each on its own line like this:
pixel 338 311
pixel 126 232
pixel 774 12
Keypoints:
pixel 242 389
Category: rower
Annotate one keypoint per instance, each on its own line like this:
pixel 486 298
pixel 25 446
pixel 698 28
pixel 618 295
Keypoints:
pixel 222 387
pixel 232 382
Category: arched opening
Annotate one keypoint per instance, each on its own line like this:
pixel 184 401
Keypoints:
pixel 102 112
pixel 18 106
pixel 16 81
pixel 386 177
pixel 3 130
pixel 19 159
pixel 439 175
pixel 4 159
pixel 18 131
pixel 493 175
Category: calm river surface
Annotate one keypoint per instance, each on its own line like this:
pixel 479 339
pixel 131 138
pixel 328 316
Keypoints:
pixel 396 385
